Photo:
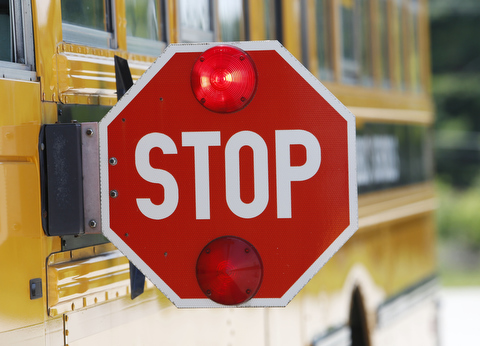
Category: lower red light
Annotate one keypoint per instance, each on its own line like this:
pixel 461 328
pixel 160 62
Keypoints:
pixel 229 270
pixel 224 79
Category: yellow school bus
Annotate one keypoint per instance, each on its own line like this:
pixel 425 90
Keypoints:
pixel 74 288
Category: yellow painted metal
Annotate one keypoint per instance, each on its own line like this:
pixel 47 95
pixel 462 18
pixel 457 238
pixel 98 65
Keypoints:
pixel 47 25
pixel 22 241
pixel 357 96
pixel 385 115
pixel 257 20
pixel 87 75
pixel 121 25
pixel 291 27
pixel 15 111
pixel 173 25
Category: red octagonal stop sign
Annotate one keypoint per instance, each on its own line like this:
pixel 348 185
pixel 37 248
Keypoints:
pixel 274 177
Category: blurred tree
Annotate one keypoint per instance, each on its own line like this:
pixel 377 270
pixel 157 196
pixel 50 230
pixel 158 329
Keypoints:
pixel 455 49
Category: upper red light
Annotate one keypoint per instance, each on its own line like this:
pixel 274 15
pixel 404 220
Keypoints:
pixel 224 79
pixel 229 270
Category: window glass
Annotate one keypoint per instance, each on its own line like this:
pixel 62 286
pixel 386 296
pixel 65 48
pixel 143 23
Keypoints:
pixel 5 30
pixel 399 46
pixel 17 58
pixel 366 72
pixel 144 26
pixel 143 19
pixel 231 18
pixel 196 20
pixel 87 13
pixel 324 45
pixel 356 42
pixel 392 155
pixel 384 31
pixel 350 67
pixel 87 22
pixel 414 62
pixel 269 19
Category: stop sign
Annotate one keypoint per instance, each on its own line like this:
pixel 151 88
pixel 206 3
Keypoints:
pixel 208 192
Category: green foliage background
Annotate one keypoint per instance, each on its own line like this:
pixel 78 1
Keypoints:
pixel 455 53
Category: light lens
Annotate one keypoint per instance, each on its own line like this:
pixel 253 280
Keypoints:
pixel 224 79
pixel 229 270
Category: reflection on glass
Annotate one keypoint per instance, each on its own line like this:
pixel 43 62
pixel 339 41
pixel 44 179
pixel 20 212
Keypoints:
pixel 349 42
pixel 414 61
pixel 399 43
pixel 348 33
pixel 87 13
pixel 384 40
pixel 143 19
pixel 324 46
pixel 195 14
pixel 366 73
pixel 392 155
pixel 230 14
pixel 269 19
pixel 5 36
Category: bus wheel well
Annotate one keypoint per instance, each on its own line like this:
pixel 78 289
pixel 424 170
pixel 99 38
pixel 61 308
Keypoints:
pixel 358 320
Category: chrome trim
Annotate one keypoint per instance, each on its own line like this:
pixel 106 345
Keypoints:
pixel 337 336
pixel 91 174
pixel 12 70
pixel 397 306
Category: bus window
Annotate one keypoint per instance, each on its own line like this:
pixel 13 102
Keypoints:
pixel 145 26
pixel 324 35
pixel 196 20
pixel 366 71
pixel 413 41
pixel 87 22
pixel 399 44
pixel 356 42
pixel 17 60
pixel 384 30
pixel 350 59
pixel 269 16
pixel 232 20
pixel 6 35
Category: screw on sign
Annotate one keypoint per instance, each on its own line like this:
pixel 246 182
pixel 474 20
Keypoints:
pixel 228 174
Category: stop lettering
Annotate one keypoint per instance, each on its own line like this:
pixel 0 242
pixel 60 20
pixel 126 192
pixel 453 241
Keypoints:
pixel 201 141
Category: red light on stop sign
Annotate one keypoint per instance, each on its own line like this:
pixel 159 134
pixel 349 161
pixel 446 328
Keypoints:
pixel 224 79
pixel 229 270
